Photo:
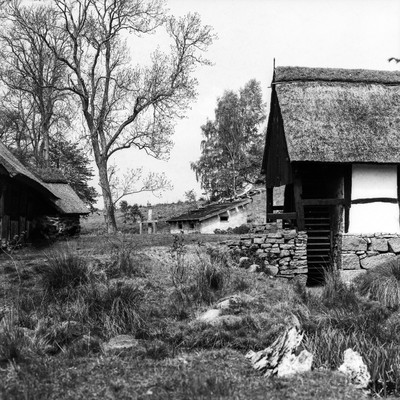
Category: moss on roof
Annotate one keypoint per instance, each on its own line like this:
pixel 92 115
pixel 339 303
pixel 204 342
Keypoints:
pixel 339 120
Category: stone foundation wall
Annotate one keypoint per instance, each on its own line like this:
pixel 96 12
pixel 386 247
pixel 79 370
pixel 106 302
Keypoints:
pixel 368 251
pixel 281 252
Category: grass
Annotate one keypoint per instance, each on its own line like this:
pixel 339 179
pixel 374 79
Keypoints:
pixel 69 303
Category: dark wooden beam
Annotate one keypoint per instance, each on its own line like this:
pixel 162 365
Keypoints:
pixel 298 191
pixel 270 201
pixel 323 202
pixel 374 200
pixel 289 215
pixel 347 197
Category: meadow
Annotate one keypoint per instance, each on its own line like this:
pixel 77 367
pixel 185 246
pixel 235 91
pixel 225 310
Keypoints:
pixel 63 303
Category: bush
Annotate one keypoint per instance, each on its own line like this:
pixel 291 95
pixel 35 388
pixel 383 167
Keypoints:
pixel 382 283
pixel 65 270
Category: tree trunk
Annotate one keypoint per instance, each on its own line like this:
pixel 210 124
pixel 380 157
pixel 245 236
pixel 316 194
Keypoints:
pixel 109 216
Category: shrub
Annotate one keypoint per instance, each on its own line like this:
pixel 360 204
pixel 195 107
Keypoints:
pixel 65 270
pixel 123 261
pixel 382 283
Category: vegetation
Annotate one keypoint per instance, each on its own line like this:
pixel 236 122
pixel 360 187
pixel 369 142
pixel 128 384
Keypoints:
pixel 73 299
pixel 233 143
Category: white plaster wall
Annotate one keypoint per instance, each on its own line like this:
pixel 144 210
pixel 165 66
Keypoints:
pixel 209 225
pixel 371 181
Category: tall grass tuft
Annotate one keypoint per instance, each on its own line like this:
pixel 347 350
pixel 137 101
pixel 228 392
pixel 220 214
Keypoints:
pixel 64 270
pixel 382 283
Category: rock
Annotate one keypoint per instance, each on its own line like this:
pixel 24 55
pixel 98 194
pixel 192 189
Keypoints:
pixel 353 243
pixel 350 261
pixel 279 358
pixel 271 270
pixel 355 368
pixel 235 302
pixel 254 268
pixel 284 253
pixel 379 244
pixel 209 316
pixel 244 262
pixel 258 240
pixel 394 245
pixel 375 261
pixel 229 321
pixel 121 343
pixel 295 364
pixel 347 276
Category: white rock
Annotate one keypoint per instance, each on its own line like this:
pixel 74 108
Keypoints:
pixel 355 368
pixel 292 364
pixel 209 316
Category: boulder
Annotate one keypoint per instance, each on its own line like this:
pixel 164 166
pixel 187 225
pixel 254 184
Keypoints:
pixel 122 343
pixel 355 368
pixel 244 262
pixel 234 303
pixel 271 270
pixel 394 245
pixel 379 245
pixel 375 261
pixel 254 268
pixel 295 364
pixel 350 261
pixel 209 316
pixel 353 243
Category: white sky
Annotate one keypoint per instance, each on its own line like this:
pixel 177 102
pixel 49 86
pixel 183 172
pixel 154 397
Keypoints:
pixel 251 33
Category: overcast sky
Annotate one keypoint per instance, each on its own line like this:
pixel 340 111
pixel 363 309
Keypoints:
pixel 251 33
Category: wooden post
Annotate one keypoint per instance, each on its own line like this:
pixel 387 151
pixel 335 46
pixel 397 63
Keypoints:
pixel 298 191
pixel 270 201
pixel 140 227
pixel 347 197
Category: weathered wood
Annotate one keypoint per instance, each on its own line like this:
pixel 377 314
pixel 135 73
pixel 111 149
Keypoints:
pixel 276 216
pixel 322 202
pixel 347 197
pixel 298 190
pixel 276 164
pixel 279 359
pixel 374 200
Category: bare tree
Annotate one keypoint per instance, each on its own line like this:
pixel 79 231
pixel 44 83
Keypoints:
pixel 132 182
pixel 30 73
pixel 125 105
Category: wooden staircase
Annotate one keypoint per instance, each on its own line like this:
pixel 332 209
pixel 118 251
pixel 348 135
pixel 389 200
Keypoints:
pixel 317 223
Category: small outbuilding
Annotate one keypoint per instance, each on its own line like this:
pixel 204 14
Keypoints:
pixel 211 217
pixel 35 202
pixel 333 142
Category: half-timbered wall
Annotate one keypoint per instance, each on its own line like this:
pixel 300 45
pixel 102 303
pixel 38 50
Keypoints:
pixel 374 199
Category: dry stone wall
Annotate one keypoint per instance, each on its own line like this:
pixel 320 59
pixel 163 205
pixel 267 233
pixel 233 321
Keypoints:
pixel 368 251
pixel 280 252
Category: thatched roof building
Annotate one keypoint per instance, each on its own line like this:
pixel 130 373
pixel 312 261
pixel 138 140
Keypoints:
pixel 333 140
pixel 26 197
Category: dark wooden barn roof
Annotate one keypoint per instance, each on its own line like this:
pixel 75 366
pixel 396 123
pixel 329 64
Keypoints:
pixel 338 115
pixel 209 211
pixel 50 183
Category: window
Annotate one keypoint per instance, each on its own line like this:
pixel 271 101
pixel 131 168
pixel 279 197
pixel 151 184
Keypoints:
pixel 224 218
pixel 180 225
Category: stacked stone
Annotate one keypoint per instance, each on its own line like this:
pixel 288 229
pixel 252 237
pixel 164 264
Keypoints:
pixel 368 251
pixel 282 253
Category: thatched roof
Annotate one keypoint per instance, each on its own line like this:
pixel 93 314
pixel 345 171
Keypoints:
pixel 67 201
pixel 209 211
pixel 337 115
pixel 15 168
pixel 49 182
pixel 49 175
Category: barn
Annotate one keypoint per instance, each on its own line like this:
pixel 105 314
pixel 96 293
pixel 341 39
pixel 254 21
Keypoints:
pixel 39 202
pixel 333 143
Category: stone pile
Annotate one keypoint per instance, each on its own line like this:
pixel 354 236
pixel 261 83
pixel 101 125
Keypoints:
pixel 281 253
